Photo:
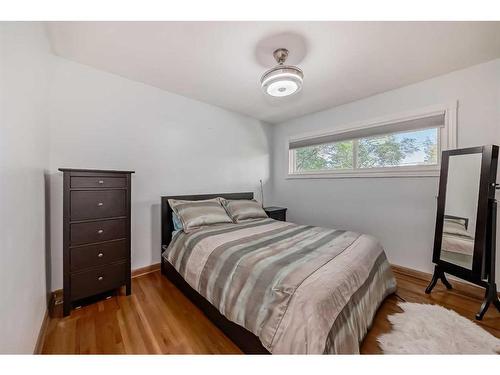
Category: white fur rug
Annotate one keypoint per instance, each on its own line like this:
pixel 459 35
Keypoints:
pixel 432 329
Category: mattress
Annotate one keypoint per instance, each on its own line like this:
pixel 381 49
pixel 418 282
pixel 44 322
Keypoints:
pixel 300 289
pixel 458 244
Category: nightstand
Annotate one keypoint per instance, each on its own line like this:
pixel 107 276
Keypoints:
pixel 276 213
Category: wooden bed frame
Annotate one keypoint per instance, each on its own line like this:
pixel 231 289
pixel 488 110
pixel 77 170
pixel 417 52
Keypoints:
pixel 244 339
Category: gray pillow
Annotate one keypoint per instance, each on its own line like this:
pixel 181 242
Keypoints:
pixel 196 214
pixel 241 209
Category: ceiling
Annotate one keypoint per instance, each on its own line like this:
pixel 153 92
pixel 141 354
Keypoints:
pixel 221 63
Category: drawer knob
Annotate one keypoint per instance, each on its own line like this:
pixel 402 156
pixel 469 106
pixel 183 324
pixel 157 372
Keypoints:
pixel 100 231
pixel 100 204
pixel 101 182
pixel 100 255
pixel 100 278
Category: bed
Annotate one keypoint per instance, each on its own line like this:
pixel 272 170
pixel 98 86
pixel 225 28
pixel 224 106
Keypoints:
pixel 458 243
pixel 277 287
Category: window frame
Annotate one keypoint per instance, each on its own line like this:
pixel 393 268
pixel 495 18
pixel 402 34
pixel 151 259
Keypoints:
pixel 447 139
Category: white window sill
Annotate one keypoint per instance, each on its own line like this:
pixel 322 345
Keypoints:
pixel 432 171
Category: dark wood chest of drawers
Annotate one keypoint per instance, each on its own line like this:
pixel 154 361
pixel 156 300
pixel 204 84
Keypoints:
pixel 96 233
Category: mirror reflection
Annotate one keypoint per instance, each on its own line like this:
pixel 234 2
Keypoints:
pixel 462 193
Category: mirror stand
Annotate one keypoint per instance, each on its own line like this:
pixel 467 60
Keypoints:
pixel 466 221
pixel 491 294
pixel 438 275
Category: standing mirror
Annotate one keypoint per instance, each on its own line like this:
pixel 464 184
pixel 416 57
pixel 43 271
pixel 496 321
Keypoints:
pixel 460 209
pixel 464 242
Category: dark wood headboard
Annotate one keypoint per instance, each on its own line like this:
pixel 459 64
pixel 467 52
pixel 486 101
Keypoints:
pixel 167 226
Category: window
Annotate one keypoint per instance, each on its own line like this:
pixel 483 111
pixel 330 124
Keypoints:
pixel 417 147
pixel 406 146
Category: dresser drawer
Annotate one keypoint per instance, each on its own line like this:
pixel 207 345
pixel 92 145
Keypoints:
pixel 98 255
pixel 97 204
pixel 87 283
pixel 98 182
pixel 97 231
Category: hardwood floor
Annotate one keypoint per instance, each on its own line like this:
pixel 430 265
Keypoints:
pixel 465 299
pixel 157 318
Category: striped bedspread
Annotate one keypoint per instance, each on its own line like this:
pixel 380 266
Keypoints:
pixel 300 289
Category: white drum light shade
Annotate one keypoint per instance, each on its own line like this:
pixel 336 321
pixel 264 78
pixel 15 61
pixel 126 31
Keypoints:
pixel 282 80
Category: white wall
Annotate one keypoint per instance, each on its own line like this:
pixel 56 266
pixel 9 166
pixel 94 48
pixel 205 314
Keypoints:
pixel 176 146
pixel 399 211
pixel 25 66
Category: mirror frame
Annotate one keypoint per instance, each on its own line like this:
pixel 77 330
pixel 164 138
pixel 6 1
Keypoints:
pixel 489 161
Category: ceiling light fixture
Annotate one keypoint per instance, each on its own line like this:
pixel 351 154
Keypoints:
pixel 282 80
